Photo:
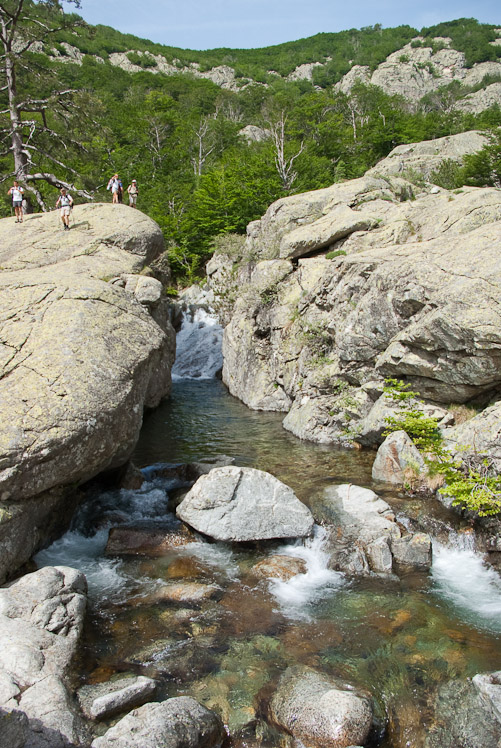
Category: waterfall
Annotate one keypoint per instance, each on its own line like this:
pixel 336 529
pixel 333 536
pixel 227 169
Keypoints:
pixel 462 578
pixel 199 346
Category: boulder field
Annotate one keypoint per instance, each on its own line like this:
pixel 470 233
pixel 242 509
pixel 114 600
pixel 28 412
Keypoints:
pixel 337 289
pixel 85 346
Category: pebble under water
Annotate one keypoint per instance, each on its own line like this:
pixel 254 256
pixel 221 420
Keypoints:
pixel 397 638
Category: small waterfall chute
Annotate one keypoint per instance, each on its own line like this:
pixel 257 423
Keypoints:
pixel 198 346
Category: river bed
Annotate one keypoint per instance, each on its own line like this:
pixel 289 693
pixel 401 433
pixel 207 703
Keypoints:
pixel 397 638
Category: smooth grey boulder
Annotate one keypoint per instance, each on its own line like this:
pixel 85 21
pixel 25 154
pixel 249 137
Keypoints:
pixel 177 723
pixel 413 550
pixel 320 712
pixel 107 699
pixel 243 504
pixel 80 359
pixel 398 460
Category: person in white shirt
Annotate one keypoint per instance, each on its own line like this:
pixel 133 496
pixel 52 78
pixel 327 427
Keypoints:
pixel 17 200
pixel 133 193
pixel 65 202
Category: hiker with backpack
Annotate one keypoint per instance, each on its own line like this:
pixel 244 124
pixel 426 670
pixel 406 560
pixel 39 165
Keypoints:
pixel 133 193
pixel 65 202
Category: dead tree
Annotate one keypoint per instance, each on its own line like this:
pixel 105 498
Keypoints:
pixel 28 133
pixel 284 165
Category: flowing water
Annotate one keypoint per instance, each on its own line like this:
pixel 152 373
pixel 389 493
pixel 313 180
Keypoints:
pixel 397 638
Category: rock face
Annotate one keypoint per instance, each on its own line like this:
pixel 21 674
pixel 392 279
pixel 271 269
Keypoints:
pixel 320 712
pixel 79 359
pixel 41 619
pixel 242 504
pixel 424 158
pixel 397 460
pixel 481 433
pixel 414 295
pixel 177 723
pixel 367 537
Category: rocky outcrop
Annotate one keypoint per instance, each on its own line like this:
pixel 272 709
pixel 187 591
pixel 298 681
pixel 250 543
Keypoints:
pixel 416 70
pixel 320 318
pixel 480 434
pixel 320 712
pixel 426 157
pixel 243 504
pixel 80 358
pixel 367 537
pixel 41 619
pixel 176 723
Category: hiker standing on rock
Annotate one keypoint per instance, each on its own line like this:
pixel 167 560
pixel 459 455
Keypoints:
pixel 17 200
pixel 116 187
pixel 133 193
pixel 65 202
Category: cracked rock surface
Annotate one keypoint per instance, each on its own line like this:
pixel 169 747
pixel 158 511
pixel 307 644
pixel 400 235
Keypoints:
pixel 79 360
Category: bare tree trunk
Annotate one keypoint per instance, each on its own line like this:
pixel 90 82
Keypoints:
pixel 284 165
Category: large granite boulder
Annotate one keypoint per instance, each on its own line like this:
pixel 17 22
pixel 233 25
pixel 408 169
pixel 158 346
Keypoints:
pixel 238 504
pixel 320 712
pixel 176 723
pixel 415 297
pixel 80 358
pixel 41 619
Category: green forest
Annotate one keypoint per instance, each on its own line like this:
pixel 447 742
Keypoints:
pixel 180 136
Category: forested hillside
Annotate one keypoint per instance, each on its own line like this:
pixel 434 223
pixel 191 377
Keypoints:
pixel 182 136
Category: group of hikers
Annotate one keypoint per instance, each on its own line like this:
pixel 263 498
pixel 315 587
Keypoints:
pixel 65 201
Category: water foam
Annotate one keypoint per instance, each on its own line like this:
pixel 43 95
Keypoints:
pixel 461 577
pixel 297 595
pixel 198 347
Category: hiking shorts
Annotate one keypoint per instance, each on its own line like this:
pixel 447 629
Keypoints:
pixel 17 203
pixel 132 199
pixel 65 210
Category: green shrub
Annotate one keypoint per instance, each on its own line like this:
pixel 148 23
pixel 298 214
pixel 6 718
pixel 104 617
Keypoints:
pixel 471 483
pixel 335 253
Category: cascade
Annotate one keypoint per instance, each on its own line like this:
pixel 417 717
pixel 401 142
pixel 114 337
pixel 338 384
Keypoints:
pixel 198 346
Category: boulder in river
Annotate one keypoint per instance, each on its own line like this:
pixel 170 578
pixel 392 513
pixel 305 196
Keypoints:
pixel 104 700
pixel 176 723
pixel 398 460
pixel 320 712
pixel 80 359
pixel 238 504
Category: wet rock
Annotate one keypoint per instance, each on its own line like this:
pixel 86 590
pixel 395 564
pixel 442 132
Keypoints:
pixel 367 537
pixel 398 460
pixel 489 688
pixel 147 540
pixel 319 711
pixel 176 723
pixel 242 504
pixel 119 695
pixel 475 724
pixel 279 567
pixel 413 550
pixel 189 592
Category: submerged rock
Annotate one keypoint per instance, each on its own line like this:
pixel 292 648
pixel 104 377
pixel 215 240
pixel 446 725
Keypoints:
pixel 279 567
pixel 176 723
pixel 242 504
pixel 320 712
pixel 104 700
pixel 146 540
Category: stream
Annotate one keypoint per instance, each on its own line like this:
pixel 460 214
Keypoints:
pixel 397 638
